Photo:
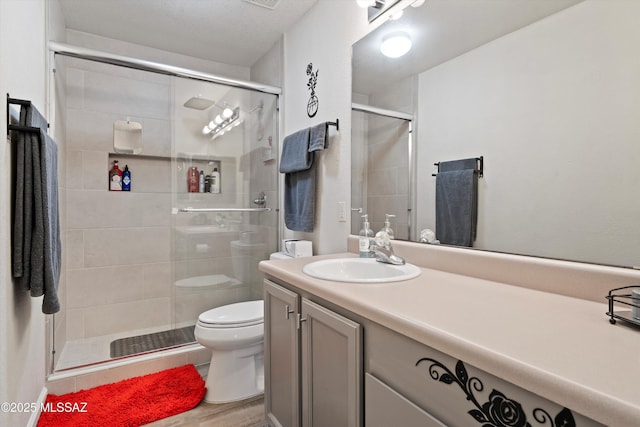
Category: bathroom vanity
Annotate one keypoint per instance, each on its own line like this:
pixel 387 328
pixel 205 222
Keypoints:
pixel 446 348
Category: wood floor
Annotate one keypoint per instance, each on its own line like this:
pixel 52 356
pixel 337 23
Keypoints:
pixel 246 413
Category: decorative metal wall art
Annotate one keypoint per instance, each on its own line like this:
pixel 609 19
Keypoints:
pixel 312 105
pixel 499 410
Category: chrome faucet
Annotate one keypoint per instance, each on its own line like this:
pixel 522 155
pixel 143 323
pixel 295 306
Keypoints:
pixel 384 252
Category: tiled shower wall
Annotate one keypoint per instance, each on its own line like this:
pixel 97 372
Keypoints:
pixel 117 244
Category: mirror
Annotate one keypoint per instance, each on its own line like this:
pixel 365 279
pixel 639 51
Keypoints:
pixel 547 92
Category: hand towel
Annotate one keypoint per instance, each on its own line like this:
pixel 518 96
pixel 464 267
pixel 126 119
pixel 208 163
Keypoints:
pixel 300 176
pixel 295 152
pixel 318 137
pixel 456 206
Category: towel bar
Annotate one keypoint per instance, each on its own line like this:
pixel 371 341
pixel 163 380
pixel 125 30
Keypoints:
pixel 479 166
pixel 19 128
pixel 204 210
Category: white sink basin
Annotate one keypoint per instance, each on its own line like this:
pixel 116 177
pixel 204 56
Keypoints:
pixel 359 270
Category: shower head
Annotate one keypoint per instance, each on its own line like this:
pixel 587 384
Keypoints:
pixel 198 103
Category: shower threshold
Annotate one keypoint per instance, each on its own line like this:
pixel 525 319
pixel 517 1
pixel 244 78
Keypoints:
pixel 151 342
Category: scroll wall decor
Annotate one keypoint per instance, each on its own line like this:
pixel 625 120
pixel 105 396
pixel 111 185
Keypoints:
pixel 312 105
pixel 499 410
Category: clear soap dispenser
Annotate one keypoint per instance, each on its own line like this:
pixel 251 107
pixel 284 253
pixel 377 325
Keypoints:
pixel 387 226
pixel 366 236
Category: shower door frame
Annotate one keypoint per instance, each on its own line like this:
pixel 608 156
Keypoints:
pixel 172 71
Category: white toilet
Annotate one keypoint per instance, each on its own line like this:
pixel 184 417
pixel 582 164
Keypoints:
pixel 235 334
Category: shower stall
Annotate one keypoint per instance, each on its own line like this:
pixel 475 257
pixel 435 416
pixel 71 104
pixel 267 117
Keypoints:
pixel 140 265
pixel 382 166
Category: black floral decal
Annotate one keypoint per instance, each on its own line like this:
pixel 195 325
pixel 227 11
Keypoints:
pixel 312 105
pixel 499 410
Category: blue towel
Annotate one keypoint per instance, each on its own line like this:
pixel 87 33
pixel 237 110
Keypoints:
pixel 457 202
pixel 295 152
pixel 297 163
pixel 318 137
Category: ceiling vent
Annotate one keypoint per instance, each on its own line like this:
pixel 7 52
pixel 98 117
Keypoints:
pixel 269 4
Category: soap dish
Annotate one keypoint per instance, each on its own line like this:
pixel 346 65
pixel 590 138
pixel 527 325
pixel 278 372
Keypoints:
pixel 625 297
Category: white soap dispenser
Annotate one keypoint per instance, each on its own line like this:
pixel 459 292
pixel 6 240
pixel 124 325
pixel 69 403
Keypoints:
pixel 366 236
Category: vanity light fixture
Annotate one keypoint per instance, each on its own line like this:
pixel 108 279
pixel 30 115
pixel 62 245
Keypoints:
pixel 395 45
pixel 223 122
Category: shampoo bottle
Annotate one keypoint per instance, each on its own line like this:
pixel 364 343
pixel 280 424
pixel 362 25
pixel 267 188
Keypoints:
pixel 366 236
pixel 126 179
pixel 192 179
pixel 115 177
pixel 215 181
pixel 201 182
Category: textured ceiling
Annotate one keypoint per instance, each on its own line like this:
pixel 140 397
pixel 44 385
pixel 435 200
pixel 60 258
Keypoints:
pixel 234 32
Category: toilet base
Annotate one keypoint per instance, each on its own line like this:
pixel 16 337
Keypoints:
pixel 235 375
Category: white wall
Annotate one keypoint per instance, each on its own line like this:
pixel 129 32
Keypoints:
pixel 324 37
pixel 22 326
pixel 540 144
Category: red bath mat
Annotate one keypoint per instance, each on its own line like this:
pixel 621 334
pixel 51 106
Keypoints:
pixel 128 403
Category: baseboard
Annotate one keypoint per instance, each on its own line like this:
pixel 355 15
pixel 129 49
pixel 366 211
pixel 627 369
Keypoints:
pixel 35 415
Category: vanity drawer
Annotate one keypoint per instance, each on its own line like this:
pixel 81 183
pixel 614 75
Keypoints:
pixel 386 407
pixel 452 391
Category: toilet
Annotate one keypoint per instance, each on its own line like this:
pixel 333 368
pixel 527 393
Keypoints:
pixel 235 335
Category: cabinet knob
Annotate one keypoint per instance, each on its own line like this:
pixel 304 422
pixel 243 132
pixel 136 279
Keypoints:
pixel 287 311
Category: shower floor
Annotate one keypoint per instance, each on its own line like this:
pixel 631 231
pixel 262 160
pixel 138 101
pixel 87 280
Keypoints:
pixel 88 351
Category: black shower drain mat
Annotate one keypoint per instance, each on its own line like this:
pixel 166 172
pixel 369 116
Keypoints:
pixel 150 342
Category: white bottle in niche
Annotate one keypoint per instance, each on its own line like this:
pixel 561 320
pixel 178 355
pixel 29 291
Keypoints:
pixel 215 181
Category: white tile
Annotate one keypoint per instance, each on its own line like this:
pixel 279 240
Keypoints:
pixel 74 249
pixel 91 287
pixel 126 246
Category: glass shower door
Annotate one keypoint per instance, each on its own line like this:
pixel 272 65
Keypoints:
pixel 224 198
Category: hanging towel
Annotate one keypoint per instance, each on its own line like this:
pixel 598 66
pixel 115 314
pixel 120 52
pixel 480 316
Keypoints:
pixel 295 152
pixel 37 248
pixel 457 202
pixel 297 163
pixel 318 137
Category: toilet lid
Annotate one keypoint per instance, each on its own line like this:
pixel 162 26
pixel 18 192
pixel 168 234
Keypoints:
pixel 239 314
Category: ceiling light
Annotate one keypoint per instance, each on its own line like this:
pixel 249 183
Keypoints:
pixel 366 3
pixel 395 15
pixel 395 45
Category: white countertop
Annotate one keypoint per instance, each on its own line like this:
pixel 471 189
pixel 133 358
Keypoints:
pixel 561 348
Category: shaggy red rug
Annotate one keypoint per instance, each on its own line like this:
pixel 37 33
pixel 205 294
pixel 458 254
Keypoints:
pixel 128 403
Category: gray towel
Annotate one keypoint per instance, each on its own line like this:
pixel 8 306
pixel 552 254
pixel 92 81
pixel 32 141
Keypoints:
pixel 295 152
pixel 456 206
pixel 300 182
pixel 38 269
pixel 318 137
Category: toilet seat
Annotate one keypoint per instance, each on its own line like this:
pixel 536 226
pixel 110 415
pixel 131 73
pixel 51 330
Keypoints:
pixel 237 315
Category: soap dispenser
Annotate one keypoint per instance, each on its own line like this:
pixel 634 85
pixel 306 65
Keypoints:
pixel 366 237
pixel 387 226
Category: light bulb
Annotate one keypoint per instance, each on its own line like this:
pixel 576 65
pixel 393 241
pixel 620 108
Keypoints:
pixel 206 130
pixel 211 124
pixel 395 45
pixel 218 119
pixel 228 112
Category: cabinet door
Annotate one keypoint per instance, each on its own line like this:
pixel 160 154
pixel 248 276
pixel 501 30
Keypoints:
pixel 331 368
pixel 281 356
